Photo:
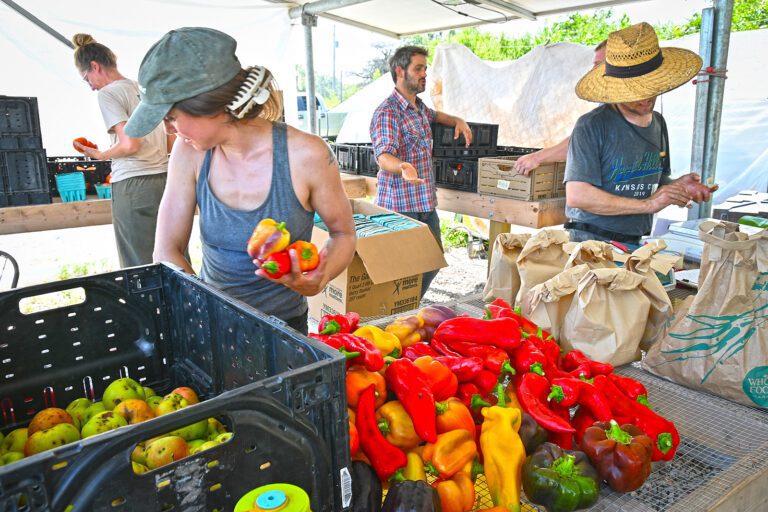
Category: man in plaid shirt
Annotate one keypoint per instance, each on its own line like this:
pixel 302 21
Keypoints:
pixel 402 140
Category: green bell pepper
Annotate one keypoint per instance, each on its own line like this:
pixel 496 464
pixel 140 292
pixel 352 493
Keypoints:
pixel 560 480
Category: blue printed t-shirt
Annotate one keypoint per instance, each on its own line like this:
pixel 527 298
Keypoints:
pixel 605 151
pixel 404 131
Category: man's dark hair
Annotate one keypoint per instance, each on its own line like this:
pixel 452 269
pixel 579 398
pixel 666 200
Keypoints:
pixel 601 45
pixel 402 58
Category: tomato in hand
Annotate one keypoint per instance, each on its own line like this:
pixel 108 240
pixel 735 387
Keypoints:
pixel 85 142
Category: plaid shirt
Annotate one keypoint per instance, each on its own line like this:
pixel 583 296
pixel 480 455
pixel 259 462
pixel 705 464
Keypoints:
pixel 404 131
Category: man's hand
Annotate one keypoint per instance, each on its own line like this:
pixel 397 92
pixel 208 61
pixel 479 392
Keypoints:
pixel 692 184
pixel 462 128
pixel 410 174
pixel 88 151
pixel 526 163
pixel 674 193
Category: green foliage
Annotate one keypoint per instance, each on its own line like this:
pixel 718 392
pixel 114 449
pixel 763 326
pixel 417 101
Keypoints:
pixel 325 87
pixel 451 236
pixel 70 270
pixel 580 28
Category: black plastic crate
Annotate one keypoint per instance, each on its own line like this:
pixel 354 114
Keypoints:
pixel 348 154
pixel 19 123
pixel 95 171
pixel 514 151
pixel 367 163
pixel 484 141
pixel 281 393
pixel 23 178
pixel 456 173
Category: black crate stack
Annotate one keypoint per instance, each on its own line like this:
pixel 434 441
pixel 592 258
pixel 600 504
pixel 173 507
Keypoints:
pixel 23 172
pixel 454 162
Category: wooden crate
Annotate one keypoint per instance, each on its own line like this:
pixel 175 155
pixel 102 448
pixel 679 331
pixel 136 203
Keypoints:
pixel 497 177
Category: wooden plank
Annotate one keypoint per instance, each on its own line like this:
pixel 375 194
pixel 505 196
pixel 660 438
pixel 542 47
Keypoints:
pixel 534 214
pixel 42 217
pixel 95 212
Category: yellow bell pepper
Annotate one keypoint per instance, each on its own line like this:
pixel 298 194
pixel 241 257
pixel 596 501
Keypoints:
pixel 503 455
pixel 408 329
pixel 387 343
pixel 450 453
pixel 397 426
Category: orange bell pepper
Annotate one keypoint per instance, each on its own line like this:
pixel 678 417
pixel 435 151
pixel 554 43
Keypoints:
pixel 354 438
pixel 309 258
pixel 450 453
pixel 358 378
pixel 452 414
pixel 397 426
pixel 441 379
pixel 456 494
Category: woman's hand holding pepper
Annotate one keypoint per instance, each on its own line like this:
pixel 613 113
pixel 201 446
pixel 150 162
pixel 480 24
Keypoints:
pixel 308 283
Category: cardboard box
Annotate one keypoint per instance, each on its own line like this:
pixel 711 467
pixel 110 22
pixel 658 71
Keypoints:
pixel 497 177
pixel 384 277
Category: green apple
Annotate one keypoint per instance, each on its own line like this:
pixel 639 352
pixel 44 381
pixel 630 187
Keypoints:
pixel 195 444
pixel 166 450
pixel 148 392
pixel 206 446
pixel 170 403
pixel 139 468
pixel 152 401
pixel 92 410
pixel 215 427
pixel 58 435
pixel 77 408
pixel 139 455
pixel 224 438
pixel 103 422
pixel 14 441
pixel 120 390
pixel 10 458
pixel 193 431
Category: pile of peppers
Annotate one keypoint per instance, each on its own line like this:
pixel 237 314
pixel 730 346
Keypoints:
pixel 438 398
pixel 270 244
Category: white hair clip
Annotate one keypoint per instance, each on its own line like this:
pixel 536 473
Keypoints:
pixel 253 91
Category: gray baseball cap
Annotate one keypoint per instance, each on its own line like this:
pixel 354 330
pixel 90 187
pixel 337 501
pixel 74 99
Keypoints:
pixel 184 63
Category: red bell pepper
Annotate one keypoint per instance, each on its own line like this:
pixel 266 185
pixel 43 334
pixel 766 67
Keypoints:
pixel 277 265
pixel 632 388
pixel 562 439
pixel 528 358
pixel 581 421
pixel 621 454
pixel 486 381
pixel 441 379
pixel 501 332
pixel 662 432
pixel 412 389
pixel 532 391
pixel 492 357
pixel 385 457
pixel 369 356
pixel 332 324
pixel 576 360
pixel 419 349
pixel 465 368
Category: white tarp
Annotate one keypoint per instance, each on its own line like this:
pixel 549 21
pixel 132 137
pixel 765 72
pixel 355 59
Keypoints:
pixel 36 64
pixel 532 99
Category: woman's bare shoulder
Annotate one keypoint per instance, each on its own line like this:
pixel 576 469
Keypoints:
pixel 309 150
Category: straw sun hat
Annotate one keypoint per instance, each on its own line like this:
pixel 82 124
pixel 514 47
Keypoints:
pixel 636 68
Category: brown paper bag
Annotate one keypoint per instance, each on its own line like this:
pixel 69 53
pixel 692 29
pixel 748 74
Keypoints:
pixel 547 303
pixel 542 258
pixel 607 316
pixel 646 261
pixel 593 253
pixel 718 340
pixel 503 278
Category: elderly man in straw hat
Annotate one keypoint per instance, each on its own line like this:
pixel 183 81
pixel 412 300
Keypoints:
pixel 617 173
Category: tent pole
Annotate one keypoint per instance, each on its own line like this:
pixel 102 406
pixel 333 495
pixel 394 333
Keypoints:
pixel 309 21
pixel 721 35
pixel 37 21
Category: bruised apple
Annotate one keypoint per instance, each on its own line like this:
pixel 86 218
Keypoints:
pixel 170 403
pixel 121 390
pixel 165 450
pixel 103 422
pixel 47 418
pixel 57 435
pixel 76 409
pixel 14 441
pixel 134 411
pixel 188 393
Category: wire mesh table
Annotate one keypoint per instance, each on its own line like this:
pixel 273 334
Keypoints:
pixel 721 463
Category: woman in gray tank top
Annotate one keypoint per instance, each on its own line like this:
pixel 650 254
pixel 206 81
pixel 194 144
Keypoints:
pixel 237 165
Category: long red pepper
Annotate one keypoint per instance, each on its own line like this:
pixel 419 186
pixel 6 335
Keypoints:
pixel 493 357
pixel 562 439
pixel 443 349
pixel 486 380
pixel 662 432
pixel 581 421
pixel 465 368
pixel 549 348
pixel 528 358
pixel 412 389
pixel 532 391
pixel 385 457
pixel 419 349
pixel 501 332
pixel 575 359
pixel 630 387
pixel 568 392
pixel 369 356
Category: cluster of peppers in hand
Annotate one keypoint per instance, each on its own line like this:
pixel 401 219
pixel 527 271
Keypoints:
pixel 270 243
pixel 477 395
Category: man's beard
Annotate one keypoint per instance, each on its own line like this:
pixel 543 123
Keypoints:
pixel 413 85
